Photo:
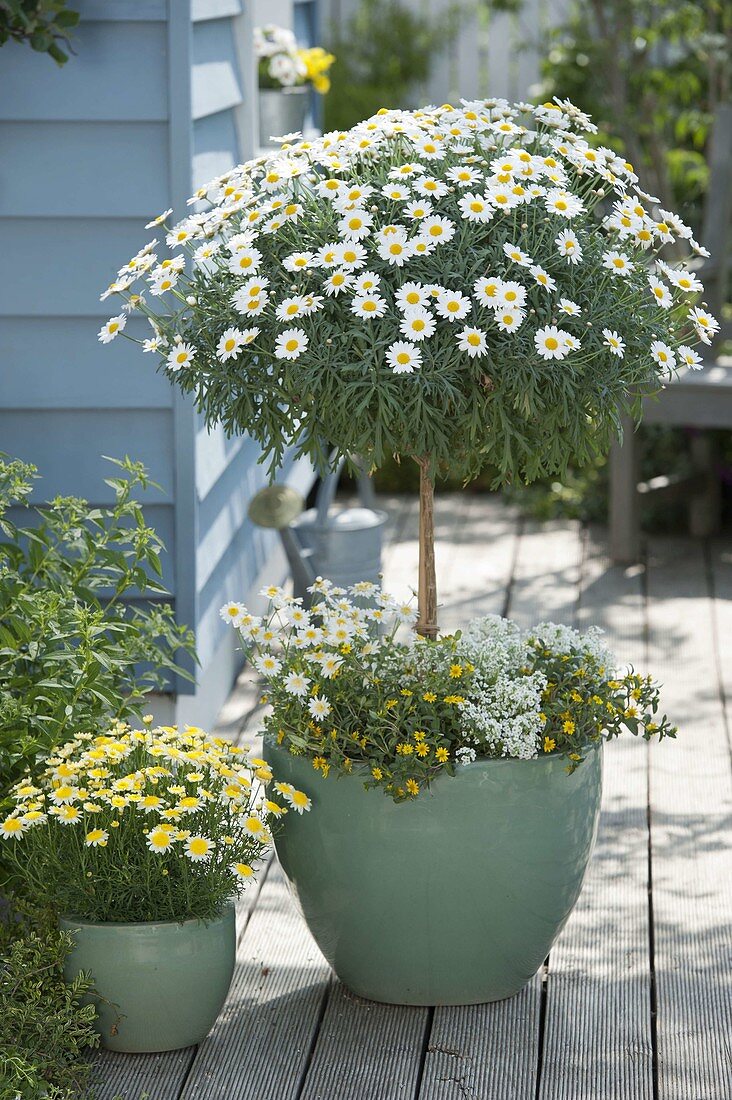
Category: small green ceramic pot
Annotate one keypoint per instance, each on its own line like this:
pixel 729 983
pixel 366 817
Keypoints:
pixel 163 984
pixel 454 898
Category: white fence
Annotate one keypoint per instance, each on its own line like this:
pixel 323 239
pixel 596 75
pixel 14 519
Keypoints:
pixel 493 53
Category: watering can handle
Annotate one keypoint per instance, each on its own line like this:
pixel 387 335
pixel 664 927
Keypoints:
pixel 327 490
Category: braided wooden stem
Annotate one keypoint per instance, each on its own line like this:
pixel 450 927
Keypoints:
pixel 427 600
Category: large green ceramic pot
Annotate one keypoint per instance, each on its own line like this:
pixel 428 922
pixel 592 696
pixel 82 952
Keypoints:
pixel 454 898
pixel 163 984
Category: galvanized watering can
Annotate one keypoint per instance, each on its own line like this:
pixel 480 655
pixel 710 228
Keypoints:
pixel 343 546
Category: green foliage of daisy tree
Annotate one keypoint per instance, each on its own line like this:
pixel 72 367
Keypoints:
pixel 463 287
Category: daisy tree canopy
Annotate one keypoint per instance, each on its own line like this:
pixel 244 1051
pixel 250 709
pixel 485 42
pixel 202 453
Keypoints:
pixel 462 286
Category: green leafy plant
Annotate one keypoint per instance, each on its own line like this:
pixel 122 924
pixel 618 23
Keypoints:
pixel 650 74
pixel 75 653
pixel 46 1023
pixel 43 24
pixel 142 825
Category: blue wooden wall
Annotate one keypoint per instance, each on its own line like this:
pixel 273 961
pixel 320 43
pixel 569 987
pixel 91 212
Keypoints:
pixel 159 98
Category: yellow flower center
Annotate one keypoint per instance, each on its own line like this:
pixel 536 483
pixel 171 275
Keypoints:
pixel 403 357
pixel 291 345
pixel 551 343
pixel 474 339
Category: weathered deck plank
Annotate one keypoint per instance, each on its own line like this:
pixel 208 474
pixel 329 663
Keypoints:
pixel 366 1050
pixel 691 825
pixel 261 1045
pixel 597 1041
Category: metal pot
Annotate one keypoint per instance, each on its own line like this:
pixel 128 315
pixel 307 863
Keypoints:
pixel 282 111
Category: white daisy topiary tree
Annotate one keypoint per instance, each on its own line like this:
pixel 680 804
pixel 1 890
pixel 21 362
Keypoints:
pixel 463 287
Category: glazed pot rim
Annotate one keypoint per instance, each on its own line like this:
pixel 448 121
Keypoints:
pixel 226 911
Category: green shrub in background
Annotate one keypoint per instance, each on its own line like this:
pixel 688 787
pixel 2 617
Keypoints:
pixel 74 653
pixel 384 51
pixel 46 1032
pixel 43 24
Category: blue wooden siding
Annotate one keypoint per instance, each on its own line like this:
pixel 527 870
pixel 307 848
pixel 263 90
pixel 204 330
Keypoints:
pixel 158 99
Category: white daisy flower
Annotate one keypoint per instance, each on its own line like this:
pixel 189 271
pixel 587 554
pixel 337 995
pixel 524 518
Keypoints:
pixel 112 328
pixel 517 255
pixel 351 255
pixel 690 358
pixel 245 261
pixel 418 210
pixel 298 800
pixel 267 664
pixel 705 325
pixel 510 294
pixel 356 225
pixel 327 256
pixel 366 282
pixel 368 305
pixel 487 290
pixel 452 305
pixel 396 250
pixel 430 187
pixel 96 838
pixel 291 344
pixel 319 707
pixel 614 341
pixel 683 279
pixel 417 323
pixel 160 840
pixel 230 343
pixel 336 283
pixel 411 294
pixel 617 262
pixel 404 357
pixel 475 208
pixel 543 277
pixel 160 219
pixel 298 261
pixel 297 684
pixel 199 849
pixel 569 246
pixel 551 342
pixel 242 871
pixel 181 356
pixel 250 305
pixel 12 827
pixel 509 319
pixel 660 292
pixel 663 355
pixel 396 192
pixel 566 305
pixel 564 203
pixel 473 341
pixel 463 176
pixel 438 229
pixel 232 612
pixel 289 308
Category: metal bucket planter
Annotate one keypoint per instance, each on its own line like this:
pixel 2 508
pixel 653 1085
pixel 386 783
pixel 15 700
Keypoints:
pixel 163 984
pixel 282 111
pixel 454 898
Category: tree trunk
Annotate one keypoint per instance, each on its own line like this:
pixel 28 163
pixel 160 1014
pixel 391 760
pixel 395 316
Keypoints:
pixel 427 601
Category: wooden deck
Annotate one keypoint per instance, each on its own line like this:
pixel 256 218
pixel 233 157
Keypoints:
pixel 635 1000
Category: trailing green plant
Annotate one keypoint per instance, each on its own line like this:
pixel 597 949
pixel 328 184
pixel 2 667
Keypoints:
pixel 43 24
pixel 46 1023
pixel 74 652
